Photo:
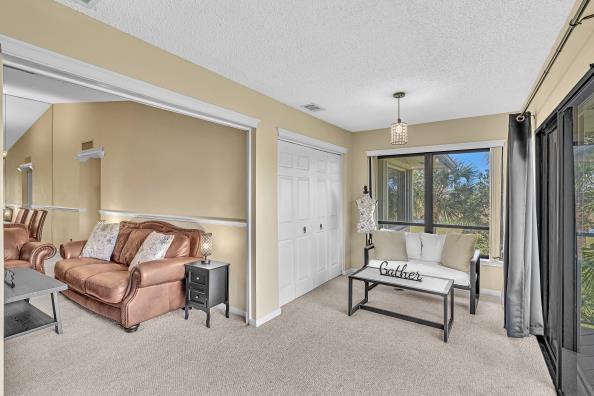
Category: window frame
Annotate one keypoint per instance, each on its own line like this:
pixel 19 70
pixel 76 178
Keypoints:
pixel 428 223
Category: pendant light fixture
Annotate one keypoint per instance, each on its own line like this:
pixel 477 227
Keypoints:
pixel 399 129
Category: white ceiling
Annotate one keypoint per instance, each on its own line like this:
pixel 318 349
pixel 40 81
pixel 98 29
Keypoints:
pixel 453 58
pixel 28 96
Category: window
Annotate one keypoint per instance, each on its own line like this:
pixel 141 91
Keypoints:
pixel 437 192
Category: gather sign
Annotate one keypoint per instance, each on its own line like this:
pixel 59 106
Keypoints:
pixel 399 273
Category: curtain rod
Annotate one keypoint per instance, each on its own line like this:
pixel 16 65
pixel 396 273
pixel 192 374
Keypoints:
pixel 575 21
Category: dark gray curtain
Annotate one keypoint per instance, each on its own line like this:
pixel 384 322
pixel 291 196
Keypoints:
pixel 522 296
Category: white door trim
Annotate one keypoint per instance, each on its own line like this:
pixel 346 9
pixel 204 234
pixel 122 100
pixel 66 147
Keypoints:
pixel 438 148
pixel 297 138
pixel 41 61
pixel 38 60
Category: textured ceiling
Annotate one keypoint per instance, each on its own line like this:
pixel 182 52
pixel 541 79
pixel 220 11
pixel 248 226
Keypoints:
pixel 453 58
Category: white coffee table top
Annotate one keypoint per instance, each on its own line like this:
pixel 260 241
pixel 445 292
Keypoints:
pixel 429 284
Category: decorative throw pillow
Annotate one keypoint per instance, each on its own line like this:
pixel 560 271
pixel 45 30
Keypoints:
pixel 180 247
pixel 389 245
pixel 458 250
pixel 154 247
pixel 413 245
pixel 432 247
pixel 102 241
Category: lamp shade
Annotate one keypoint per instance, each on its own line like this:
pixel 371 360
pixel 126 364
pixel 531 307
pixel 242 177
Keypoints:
pixel 206 245
pixel 399 133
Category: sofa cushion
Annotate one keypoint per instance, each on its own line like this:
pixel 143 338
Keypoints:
pixel 102 241
pixel 389 245
pixel 125 230
pixel 63 266
pixel 413 245
pixel 432 247
pixel 429 268
pixel 180 247
pixel 134 242
pixel 17 264
pixel 109 287
pixel 153 248
pixel 458 250
pixel 77 277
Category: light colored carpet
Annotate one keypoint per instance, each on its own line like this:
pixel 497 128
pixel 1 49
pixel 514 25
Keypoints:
pixel 312 348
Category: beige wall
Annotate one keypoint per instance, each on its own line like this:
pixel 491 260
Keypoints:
pixel 155 162
pixel 573 62
pixel 492 127
pixel 98 44
pixel 36 143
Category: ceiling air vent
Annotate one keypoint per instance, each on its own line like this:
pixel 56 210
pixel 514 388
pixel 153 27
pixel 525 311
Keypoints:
pixel 312 107
pixel 86 3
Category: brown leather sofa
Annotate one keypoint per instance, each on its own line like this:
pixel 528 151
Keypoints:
pixel 130 297
pixel 20 252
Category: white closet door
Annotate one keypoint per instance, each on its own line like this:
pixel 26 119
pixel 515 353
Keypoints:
pixel 333 221
pixel 309 194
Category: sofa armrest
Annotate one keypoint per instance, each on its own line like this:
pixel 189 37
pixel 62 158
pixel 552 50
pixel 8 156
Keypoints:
pixel 36 253
pixel 72 249
pixel 366 251
pixel 157 272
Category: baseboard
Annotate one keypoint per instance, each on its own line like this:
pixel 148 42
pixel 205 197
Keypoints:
pixel 232 310
pixel 491 292
pixel 349 271
pixel 267 318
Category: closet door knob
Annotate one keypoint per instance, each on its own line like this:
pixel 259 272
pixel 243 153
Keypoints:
pixel 304 229
pixel 321 226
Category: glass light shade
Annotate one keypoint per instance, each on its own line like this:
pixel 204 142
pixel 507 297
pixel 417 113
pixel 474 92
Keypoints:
pixel 399 133
pixel 206 246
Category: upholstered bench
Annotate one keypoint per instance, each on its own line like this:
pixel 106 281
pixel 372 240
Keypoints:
pixel 450 256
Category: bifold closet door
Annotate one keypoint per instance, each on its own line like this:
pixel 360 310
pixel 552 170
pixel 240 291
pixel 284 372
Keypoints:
pixel 309 219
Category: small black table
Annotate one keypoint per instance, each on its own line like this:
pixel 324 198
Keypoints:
pixel 207 285
pixel 430 285
pixel 20 316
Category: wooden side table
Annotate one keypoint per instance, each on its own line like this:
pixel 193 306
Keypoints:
pixel 207 285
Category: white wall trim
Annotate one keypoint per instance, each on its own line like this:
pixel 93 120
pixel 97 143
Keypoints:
pixel 186 219
pixel 50 207
pixel 491 292
pixel 267 318
pixel 232 310
pixel 293 137
pixel 492 263
pixel 349 271
pixel 41 61
pixel 438 148
pixel 86 155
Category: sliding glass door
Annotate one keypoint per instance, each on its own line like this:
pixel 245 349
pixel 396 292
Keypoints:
pixel 565 183
pixel 583 154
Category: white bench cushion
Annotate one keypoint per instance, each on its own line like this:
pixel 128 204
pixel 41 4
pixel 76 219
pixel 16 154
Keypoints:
pixel 428 268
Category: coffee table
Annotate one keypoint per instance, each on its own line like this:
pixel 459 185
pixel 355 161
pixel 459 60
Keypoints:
pixel 429 285
pixel 20 316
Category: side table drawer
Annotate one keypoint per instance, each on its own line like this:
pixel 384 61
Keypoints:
pixel 199 297
pixel 199 277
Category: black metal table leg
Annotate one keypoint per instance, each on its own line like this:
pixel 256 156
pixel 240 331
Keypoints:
pixel 227 294
pixel 350 296
pixel 445 318
pixel 56 309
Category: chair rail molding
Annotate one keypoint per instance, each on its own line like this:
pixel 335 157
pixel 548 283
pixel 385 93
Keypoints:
pixel 164 217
